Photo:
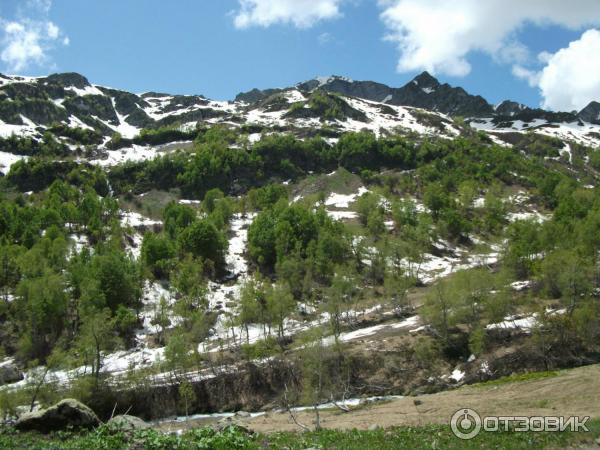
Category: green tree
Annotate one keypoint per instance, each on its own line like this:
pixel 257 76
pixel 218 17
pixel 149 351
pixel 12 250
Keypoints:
pixel 190 285
pixel 187 395
pixel 340 298
pixel 118 278
pixel 211 198
pixel 161 319
pixel 202 239
pixel 42 302
pixel 157 254
pixel 96 335
pixel 177 217
pixel 280 303
pixel 253 305
pixel 436 199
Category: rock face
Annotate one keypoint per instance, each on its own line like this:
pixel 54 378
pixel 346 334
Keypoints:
pixel 427 92
pixel 508 108
pixel 128 423
pixel 10 373
pixel 66 413
pixel 256 95
pixel 591 113
pixel 424 91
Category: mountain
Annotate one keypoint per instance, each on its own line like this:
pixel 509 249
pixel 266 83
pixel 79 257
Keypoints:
pixel 122 126
pixel 427 92
pixel 591 113
pixel 509 108
pixel 424 91
pixel 256 95
pixel 188 256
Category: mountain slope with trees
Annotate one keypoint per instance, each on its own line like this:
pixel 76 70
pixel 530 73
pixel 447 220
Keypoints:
pixel 282 254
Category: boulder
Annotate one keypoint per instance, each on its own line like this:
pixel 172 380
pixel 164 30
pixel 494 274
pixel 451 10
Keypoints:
pixel 128 423
pixel 9 373
pixel 242 414
pixel 229 423
pixel 65 414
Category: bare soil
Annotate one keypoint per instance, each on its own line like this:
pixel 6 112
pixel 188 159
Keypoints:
pixel 574 392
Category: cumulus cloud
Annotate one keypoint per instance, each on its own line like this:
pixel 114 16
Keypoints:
pixel 437 35
pixel 28 39
pixel 571 76
pixel 300 13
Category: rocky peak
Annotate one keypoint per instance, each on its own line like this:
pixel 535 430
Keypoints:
pixel 509 108
pixel 256 95
pixel 426 81
pixel 591 113
pixel 68 79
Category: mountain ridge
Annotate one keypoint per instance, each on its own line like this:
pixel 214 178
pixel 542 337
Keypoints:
pixel 423 91
pixel 79 113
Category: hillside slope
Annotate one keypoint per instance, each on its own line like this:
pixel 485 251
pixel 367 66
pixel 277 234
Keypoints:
pixel 123 126
pixel 574 392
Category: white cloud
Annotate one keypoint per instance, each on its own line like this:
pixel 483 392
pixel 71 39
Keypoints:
pixel 531 76
pixel 571 77
pixel 41 6
pixel 28 39
pixel 325 38
pixel 438 35
pixel 300 13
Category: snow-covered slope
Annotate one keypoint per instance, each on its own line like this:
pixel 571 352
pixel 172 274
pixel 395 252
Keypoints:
pixel 30 106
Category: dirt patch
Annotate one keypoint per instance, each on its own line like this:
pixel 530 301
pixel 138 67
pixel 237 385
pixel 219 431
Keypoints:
pixel 574 392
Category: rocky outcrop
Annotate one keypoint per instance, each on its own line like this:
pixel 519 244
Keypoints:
pixel 256 95
pixel 9 373
pixel 67 79
pixel 368 90
pixel 509 108
pixel 229 423
pixel 128 423
pixel 68 413
pixel 424 91
pixel 591 113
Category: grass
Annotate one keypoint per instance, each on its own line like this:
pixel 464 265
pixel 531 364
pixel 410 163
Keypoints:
pixel 342 182
pixel 425 437
pixel 529 376
pixel 151 204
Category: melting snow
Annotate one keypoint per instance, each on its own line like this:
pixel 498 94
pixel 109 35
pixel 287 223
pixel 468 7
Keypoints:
pixel 88 90
pixel 457 375
pixel 136 220
pixel 7 160
pixel 343 201
pixel 125 129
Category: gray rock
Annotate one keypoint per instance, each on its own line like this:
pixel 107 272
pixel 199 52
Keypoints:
pixel 10 373
pixel 128 423
pixel 374 427
pixel 591 113
pixel 66 413
pixel 243 414
pixel 228 422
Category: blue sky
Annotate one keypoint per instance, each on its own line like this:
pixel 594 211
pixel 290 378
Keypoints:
pixel 207 47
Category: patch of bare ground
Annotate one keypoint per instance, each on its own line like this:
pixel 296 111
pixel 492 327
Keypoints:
pixel 574 392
